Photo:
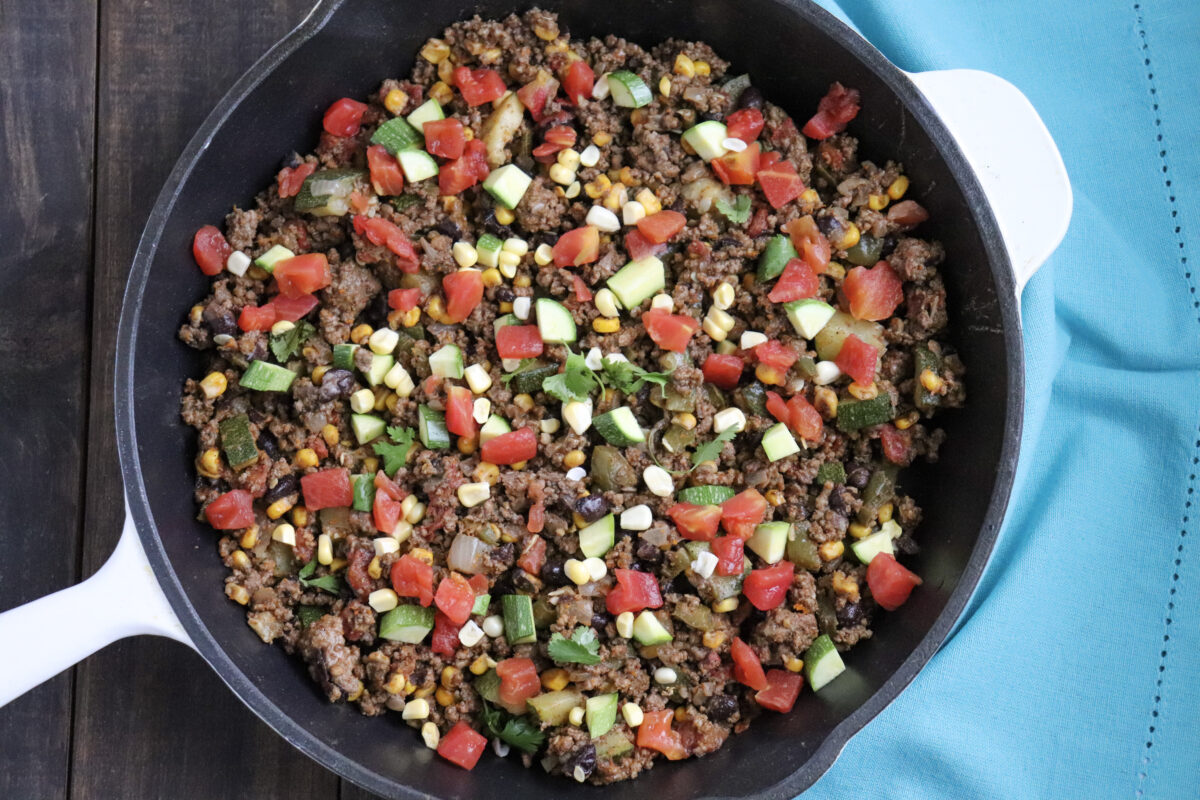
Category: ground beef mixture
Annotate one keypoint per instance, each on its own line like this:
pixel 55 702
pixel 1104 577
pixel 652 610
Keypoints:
pixel 432 394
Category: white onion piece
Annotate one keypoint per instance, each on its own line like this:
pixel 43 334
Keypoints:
pixel 466 554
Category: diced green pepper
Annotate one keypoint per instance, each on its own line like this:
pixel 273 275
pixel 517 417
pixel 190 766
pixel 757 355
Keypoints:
pixel 775 256
pixel 925 359
pixel 880 488
pixel 364 492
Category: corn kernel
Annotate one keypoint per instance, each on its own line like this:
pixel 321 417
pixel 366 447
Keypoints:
pixel 898 188
pixel 436 308
pixel 845 586
pixel 543 255
pixel 606 324
pixel 306 458
pixel 885 511
pixel 769 375
pixel 442 92
pixel 424 692
pixel 878 202
pixel 835 270
pixel 300 514
pixel 617 196
pixel 649 200
pixel 505 216
pixel 931 381
pixel 554 680
pixel 684 66
pixel 664 86
pixel 561 174
pixel 210 463
pixel 831 550
pixel 523 401
pixel 395 101
pixel 396 683
pixel 421 554
pixel 859 531
pixel 465 254
pixel 826 402
pixel 415 514
pixel 850 237
pixel 240 560
pixel 774 497
pixel 468 444
pixel 686 420
pixel 547 31
pixel 601 138
pixel 606 302
pixel 715 332
pixel 633 714
pixel 597 188
pixel 375 569
pixel 330 434
pixel 702 68
pixel 492 277
pixel 486 473
pixel 435 51
pixel 860 392
pixel 722 318
pixel 279 508
pixel 573 459
pixel 794 664
pixel 214 384
pixel 576 715
pixel 431 735
pixel 337 565
pixel 479 666
pixel 445 71
pixel 361 333
pixel 907 421
pixel 713 639
pixel 325 549
pixel 237 593
pixel 520 465
pixel 444 698
pixel 724 296
pixel 726 606
pixel 810 199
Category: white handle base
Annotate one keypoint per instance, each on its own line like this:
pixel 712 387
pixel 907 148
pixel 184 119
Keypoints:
pixel 1012 154
pixel 52 633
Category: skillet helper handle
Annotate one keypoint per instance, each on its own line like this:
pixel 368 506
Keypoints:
pixel 1012 154
pixel 49 635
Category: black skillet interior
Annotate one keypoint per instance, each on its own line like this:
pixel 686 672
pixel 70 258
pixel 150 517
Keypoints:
pixel 793 50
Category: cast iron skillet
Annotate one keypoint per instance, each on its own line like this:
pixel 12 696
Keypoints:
pixel 793 51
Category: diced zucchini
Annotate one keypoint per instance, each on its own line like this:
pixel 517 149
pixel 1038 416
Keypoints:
pixel 649 631
pixel 519 627
pixel 705 495
pixel 343 355
pixel 529 380
pixel 447 362
pixel 628 90
pixel 263 376
pixel 269 259
pixel 613 744
pixel 552 708
pixel 809 316
pixel 327 193
pixel 505 320
pixel 822 663
pixel 380 365
pixel 774 258
pixel 366 427
pixel 432 428
pixel 828 342
pixel 364 492
pixel 855 414
pixel 481 604
pixel 238 442
pixel 555 323
pixel 778 442
pixel 397 135
pixel 417 165
pixel 770 541
pixel 597 539
pixel 488 248
pixel 638 280
pixel 409 624
pixel 619 427
pixel 601 714
pixel 496 425
pixel 428 111
pixel 707 139
pixel 870 546
pixel 507 185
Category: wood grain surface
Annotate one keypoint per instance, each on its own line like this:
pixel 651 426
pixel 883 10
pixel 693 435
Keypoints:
pixel 96 103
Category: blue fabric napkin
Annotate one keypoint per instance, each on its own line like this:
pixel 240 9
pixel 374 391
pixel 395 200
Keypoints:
pixel 1076 670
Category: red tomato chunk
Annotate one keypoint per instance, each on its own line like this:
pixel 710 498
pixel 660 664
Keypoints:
pixel 444 137
pixel 463 291
pixel 731 555
pixel 697 523
pixel 290 180
pixel 578 247
pixel 660 227
pixel 857 359
pixel 445 635
pixel 669 331
pixel 460 405
pixel 723 371
pixel 519 341
pixel 510 448
pixel 234 509
pixel 766 588
pixel 518 681
pixel 837 108
pixel 462 746
pixel 747 668
pixel 781 691
pixel 327 488
pixel 210 250
pixel 301 275
pixel 455 598
pixel 741 513
pixel 386 176
pixel 874 293
pixel 344 117
pixel 412 577
pixel 578 82
pixel 635 591
pixel 479 86
pixel 797 282
pixel 890 583
pixel 655 734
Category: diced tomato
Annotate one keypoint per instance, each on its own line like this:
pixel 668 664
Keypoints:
pixel 430 384
pixel 767 588
pixel 385 512
pixel 479 584
pixel 758 222
pixel 293 309
pixel 837 108
pixel 737 168
pixel 455 598
pixel 387 178
pixel 582 293
pixel 808 240
pixel 776 354
pixel 669 331
pixel 519 341
pixel 896 444
pixel 445 635
pixel 698 523
pixel 655 734
pixel 873 293
pixel 778 409
pixel 460 405
pixel 745 124
pixel 741 513
pixel 803 419
pixel 290 180
pixel 535 94
pixel 510 448
pixel 387 234
pixel 404 299
pixel 769 158
pixel 518 681
pixel 747 668
pixel 327 488
pixel 635 591
pixel 462 746
pixel 210 249
pixel 301 275
pixel 537 517
pixel 387 486
pixel 257 318
pixel 638 246
pixel 479 86
pixel 444 137
pixel 533 556
pixel 907 212
pixel 463 292
pixel 731 555
pixel 234 509
pixel 557 138
pixel 661 226
pixel 412 577
pixel 890 583
pixel 857 359
pixel 780 183
pixel 359 202
pixel 344 117
pixel 578 82
pixel 723 370
pixel 577 247
pixel 797 282
pixel 782 689
pixel 464 172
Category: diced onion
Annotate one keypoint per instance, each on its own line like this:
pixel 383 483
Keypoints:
pixel 466 554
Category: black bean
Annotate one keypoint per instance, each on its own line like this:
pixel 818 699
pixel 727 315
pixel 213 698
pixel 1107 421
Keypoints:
pixel 493 226
pixel 599 621
pixel 582 763
pixel 726 241
pixel 552 572
pixel 837 499
pixel 722 707
pixel 450 228
pixel 830 225
pixel 751 97
pixel 849 614
pixel 592 507
pixel 648 553
pixel 268 444
pixel 889 244
pixel 219 320
pixel 505 294
pixel 336 383
pixel 375 314
pixel 711 116
pixel 857 476
pixel 282 488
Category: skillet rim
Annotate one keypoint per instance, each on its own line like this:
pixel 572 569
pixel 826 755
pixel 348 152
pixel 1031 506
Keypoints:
pixel 137 501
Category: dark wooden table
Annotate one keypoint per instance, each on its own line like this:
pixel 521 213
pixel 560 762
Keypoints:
pixel 96 102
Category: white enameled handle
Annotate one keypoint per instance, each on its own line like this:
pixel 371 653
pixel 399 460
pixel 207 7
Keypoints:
pixel 52 633
pixel 1012 154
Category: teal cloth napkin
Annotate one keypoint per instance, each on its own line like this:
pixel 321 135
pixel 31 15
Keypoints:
pixel 1075 672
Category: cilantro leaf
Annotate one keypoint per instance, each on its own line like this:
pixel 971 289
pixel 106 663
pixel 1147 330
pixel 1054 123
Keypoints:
pixel 516 731
pixel 629 377
pixel 309 614
pixel 576 382
pixel 326 583
pixel 285 345
pixel 525 363
pixel 737 213
pixel 581 648
pixel 709 451
pixel 394 455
